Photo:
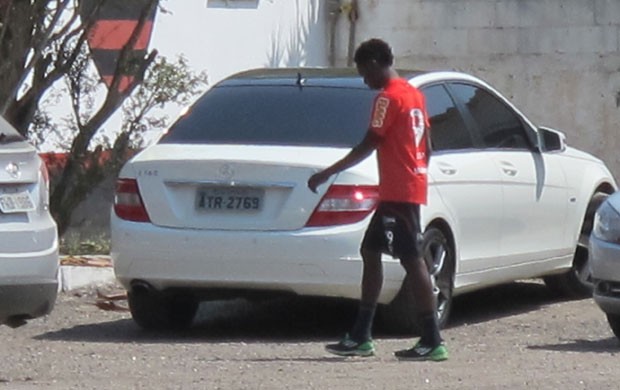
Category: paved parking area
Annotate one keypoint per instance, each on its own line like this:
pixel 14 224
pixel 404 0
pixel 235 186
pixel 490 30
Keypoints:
pixel 512 337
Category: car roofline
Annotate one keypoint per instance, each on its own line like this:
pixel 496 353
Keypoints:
pixel 417 78
pixel 443 76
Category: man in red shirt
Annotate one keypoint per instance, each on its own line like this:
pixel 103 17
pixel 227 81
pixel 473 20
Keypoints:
pixel 399 132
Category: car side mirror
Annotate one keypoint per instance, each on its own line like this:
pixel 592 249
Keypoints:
pixel 550 140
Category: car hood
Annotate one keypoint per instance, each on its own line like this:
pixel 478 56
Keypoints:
pixel 614 201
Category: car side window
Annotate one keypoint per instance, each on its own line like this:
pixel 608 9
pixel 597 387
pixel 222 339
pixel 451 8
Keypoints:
pixel 448 130
pixel 499 126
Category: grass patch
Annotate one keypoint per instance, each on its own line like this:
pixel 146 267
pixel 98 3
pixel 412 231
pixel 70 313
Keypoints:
pixel 73 244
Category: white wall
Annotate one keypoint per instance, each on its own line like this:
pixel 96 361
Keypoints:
pixel 224 37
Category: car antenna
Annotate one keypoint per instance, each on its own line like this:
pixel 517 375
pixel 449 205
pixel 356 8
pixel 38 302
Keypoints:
pixel 300 80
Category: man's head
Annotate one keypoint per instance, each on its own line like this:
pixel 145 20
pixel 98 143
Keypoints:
pixel 374 61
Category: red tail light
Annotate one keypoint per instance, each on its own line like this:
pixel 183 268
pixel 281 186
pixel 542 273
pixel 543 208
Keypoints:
pixel 344 204
pixel 128 203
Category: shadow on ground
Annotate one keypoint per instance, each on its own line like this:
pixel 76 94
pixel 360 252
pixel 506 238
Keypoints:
pixel 301 319
pixel 608 345
pixel 500 302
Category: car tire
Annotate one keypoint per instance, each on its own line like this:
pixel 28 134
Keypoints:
pixel 577 282
pixel 400 315
pixel 160 311
pixel 614 323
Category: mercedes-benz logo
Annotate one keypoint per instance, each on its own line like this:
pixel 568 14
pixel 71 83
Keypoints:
pixel 226 171
pixel 13 170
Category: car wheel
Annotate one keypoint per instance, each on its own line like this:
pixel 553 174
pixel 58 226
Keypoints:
pixel 400 315
pixel 614 323
pixel 160 311
pixel 577 282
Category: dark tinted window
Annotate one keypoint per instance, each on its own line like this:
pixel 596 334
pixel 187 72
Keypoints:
pixel 448 129
pixel 499 126
pixel 276 115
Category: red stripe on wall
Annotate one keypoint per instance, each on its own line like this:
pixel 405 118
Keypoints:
pixel 114 34
pixel 123 84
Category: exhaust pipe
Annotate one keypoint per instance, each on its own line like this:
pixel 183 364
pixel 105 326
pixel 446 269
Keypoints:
pixel 142 287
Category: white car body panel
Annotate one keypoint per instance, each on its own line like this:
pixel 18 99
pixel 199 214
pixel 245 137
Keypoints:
pixel 474 203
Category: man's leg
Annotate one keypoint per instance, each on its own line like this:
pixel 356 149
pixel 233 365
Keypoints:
pixel 430 346
pixel 359 341
pixel 372 282
pixel 411 253
pixel 421 288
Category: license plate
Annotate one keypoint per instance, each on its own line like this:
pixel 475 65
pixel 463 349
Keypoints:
pixel 19 202
pixel 244 199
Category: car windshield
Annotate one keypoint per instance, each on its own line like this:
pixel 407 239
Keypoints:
pixel 276 115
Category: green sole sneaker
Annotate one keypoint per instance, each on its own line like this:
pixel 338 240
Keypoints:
pixel 422 353
pixel 348 347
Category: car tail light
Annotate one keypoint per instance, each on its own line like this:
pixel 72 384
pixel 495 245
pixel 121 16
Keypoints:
pixel 128 203
pixel 344 204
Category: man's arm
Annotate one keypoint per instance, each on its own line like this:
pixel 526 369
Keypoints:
pixel 357 154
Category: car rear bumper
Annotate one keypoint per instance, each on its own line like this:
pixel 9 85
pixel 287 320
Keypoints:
pixel 27 298
pixel 315 262
pixel 605 267
pixel 28 283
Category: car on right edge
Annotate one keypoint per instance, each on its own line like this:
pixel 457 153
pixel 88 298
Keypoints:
pixel 605 260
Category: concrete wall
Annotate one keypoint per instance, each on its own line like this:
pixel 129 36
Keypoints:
pixel 558 60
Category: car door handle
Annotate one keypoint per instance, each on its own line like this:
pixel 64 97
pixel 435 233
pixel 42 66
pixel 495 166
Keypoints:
pixel 447 169
pixel 509 169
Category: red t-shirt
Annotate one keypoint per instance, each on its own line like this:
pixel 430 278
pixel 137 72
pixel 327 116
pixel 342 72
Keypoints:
pixel 399 118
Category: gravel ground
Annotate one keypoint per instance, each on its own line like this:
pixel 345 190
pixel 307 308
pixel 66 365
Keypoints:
pixel 513 337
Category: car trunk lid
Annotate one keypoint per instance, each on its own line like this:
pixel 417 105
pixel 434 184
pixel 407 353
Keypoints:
pixel 232 187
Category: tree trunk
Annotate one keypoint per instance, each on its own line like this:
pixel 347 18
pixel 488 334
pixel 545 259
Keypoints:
pixel 16 34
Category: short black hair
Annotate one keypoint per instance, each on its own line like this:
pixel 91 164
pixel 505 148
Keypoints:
pixel 374 50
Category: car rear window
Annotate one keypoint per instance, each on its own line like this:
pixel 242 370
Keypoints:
pixel 276 115
pixel 8 135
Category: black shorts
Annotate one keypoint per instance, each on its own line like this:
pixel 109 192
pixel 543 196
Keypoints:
pixel 395 230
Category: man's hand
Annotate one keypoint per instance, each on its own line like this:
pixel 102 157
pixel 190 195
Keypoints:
pixel 317 179
pixel 357 154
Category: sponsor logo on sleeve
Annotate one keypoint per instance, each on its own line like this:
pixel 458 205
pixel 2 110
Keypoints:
pixel 381 107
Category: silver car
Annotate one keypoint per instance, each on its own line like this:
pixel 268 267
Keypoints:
pixel 28 234
pixel 605 259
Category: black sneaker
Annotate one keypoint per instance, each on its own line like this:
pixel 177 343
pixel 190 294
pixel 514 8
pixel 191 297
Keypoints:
pixel 348 347
pixel 421 352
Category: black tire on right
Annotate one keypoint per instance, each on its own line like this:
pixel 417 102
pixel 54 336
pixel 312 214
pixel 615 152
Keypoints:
pixel 576 282
pixel 160 311
pixel 614 323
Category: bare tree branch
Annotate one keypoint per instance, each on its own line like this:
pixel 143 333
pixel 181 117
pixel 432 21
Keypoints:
pixel 37 51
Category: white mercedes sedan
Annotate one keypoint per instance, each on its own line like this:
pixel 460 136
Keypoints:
pixel 219 207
